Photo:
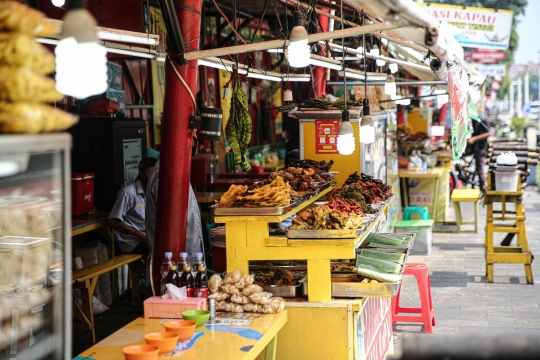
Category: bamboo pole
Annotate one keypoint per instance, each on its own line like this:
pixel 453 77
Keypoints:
pixel 277 44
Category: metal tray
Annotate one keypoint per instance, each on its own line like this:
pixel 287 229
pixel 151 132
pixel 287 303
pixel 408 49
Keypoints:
pixel 251 211
pixel 284 291
pixel 343 288
pixel 325 234
pixel 364 244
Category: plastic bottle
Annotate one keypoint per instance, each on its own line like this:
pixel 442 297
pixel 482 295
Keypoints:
pixel 201 283
pixel 165 267
pixel 186 279
pixel 213 168
pixel 183 261
pixel 198 262
pixel 172 276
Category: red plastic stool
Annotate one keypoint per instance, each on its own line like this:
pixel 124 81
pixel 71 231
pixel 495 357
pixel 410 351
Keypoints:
pixel 421 273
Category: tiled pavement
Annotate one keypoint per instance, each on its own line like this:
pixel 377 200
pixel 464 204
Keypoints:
pixel 465 302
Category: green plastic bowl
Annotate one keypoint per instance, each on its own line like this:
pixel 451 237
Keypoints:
pixel 199 316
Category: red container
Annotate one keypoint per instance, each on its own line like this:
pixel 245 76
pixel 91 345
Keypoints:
pixel 82 193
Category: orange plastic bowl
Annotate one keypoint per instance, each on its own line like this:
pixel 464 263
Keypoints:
pixel 184 328
pixel 165 341
pixel 141 352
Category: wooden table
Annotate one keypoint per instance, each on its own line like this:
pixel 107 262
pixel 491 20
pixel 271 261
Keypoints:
pixel 210 341
pixel 83 224
pixel 435 173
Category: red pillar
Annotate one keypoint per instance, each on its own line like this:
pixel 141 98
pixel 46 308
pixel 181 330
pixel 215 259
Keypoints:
pixel 175 161
pixel 319 73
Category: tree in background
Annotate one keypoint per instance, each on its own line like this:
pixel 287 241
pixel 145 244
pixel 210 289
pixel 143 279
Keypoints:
pixel 518 7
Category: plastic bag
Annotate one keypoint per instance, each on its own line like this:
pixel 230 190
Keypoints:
pixel 239 299
pixel 21 50
pixel 252 289
pixel 233 277
pixel 32 118
pixel 261 298
pixel 245 281
pixel 16 17
pixel 229 289
pixel 214 283
pixel 219 296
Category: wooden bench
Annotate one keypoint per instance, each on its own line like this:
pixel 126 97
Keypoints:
pixel 466 195
pixel 86 280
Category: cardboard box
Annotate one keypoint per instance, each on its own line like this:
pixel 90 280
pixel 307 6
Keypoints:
pixel 157 307
pixel 115 76
pixel 119 97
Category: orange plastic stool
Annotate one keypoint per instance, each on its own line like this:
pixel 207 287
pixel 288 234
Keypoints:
pixel 427 317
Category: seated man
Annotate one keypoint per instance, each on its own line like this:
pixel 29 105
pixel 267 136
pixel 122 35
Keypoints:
pixel 127 217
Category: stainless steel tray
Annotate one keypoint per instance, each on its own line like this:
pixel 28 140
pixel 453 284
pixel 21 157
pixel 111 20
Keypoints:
pixel 252 211
pixel 341 287
pixel 284 290
pixel 325 234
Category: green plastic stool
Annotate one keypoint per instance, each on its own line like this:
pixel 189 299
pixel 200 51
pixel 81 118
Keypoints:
pixel 419 210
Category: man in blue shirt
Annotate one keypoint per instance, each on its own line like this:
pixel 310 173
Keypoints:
pixel 127 217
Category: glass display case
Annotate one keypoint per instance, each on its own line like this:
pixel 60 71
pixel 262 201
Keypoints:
pixel 35 248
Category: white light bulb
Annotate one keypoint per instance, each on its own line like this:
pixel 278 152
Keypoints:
pixel 367 130
pixel 361 50
pixel 298 54
pixel 393 68
pixel 374 52
pixel 345 140
pixel 81 69
pixel 58 3
pixel 345 144
pixel 390 86
pixel 380 62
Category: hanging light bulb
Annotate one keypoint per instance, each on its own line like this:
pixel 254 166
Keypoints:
pixel 298 52
pixel 58 3
pixel 81 62
pixel 390 84
pixel 367 129
pixel 345 140
pixel 360 49
pixel 393 68
pixel 287 96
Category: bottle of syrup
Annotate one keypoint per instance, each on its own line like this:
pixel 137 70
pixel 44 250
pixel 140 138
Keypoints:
pixel 201 283
pixel 172 276
pixel 186 279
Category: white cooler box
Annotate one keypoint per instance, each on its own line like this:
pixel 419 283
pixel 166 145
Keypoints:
pixel 424 234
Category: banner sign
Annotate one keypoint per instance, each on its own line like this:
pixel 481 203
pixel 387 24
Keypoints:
pixel 491 70
pixel 486 56
pixel 326 132
pixel 478 27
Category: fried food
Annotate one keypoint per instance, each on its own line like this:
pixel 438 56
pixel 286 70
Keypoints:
pixel 277 193
pixel 231 195
pixel 326 218
pixel 16 17
pixel 17 49
pixel 32 118
pixel 22 84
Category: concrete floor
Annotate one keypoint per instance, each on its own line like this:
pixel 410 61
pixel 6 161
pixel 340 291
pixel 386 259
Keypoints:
pixel 465 303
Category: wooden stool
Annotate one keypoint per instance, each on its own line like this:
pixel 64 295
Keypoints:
pixel 519 254
pixel 466 195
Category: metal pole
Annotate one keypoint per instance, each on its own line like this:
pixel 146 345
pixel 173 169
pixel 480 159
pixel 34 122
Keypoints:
pixel 526 88
pixel 175 162
pixel 511 110
pixel 519 98
pixel 319 73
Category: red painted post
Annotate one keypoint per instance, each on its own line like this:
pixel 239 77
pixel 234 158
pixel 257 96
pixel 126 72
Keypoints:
pixel 175 160
pixel 319 73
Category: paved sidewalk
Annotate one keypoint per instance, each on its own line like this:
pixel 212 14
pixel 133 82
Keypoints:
pixel 464 301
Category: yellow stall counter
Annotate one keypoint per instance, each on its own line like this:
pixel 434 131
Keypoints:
pixel 209 342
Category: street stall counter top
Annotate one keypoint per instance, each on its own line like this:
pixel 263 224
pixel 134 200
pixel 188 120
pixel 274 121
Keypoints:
pixel 221 342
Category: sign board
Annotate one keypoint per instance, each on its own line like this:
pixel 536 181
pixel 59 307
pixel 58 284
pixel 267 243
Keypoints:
pixel 326 133
pixel 478 27
pixel 491 70
pixel 526 108
pixel 488 56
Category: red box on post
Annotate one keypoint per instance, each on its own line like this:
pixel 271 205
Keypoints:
pixel 82 193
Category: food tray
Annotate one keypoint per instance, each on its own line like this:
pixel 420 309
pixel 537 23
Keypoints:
pixel 325 234
pixel 284 291
pixel 344 285
pixel 251 211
